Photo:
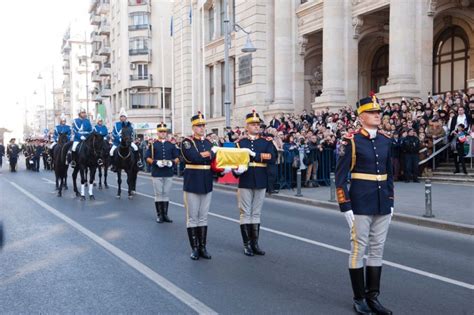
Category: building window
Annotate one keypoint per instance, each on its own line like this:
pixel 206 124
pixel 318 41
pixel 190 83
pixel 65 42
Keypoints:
pixel 138 46
pixel 137 2
pixel 143 100
pixel 142 71
pixel 167 98
pixel 379 69
pixel 211 92
pixel 222 16
pixel 211 23
pixel 450 61
pixel 139 21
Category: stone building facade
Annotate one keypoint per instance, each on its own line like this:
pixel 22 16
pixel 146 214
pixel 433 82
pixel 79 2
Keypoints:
pixel 313 54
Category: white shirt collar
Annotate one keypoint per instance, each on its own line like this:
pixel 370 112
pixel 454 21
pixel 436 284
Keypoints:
pixel 372 133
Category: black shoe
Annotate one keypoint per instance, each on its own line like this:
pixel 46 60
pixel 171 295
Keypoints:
pixel 165 212
pixel 193 241
pixel 254 235
pixel 358 287
pixel 372 276
pixel 202 237
pixel 245 231
pixel 159 211
pixel 455 172
pixel 416 181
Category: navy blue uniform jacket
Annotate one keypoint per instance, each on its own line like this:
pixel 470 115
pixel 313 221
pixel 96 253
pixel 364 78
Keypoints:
pixel 360 154
pixel 162 151
pixel 197 181
pixel 257 177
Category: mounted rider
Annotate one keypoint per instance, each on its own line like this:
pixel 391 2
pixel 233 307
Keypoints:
pixel 117 138
pixel 100 128
pixel 62 128
pixel 82 129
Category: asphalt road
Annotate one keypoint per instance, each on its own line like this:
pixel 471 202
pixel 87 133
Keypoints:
pixel 63 255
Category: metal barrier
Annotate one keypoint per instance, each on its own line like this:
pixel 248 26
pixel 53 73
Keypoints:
pixel 428 201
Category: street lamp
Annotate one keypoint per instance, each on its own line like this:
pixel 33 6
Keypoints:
pixel 45 102
pixel 248 48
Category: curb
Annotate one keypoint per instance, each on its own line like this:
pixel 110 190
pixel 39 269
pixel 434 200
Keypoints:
pixel 405 218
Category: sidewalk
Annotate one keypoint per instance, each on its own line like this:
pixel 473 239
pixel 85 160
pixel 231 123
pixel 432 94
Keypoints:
pixel 450 202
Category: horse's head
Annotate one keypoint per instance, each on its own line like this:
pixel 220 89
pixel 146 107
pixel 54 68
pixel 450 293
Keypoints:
pixel 96 143
pixel 126 135
pixel 63 138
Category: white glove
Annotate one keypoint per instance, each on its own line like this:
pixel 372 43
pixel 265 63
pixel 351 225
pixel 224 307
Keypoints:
pixel 160 163
pixel 251 153
pixel 83 138
pixel 391 211
pixel 215 149
pixel 226 170
pixel 169 163
pixel 242 169
pixel 349 218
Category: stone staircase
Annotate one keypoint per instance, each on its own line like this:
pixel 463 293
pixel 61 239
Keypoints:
pixel 445 173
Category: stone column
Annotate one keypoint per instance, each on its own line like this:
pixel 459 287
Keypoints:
pixel 334 38
pixel 402 63
pixel 283 56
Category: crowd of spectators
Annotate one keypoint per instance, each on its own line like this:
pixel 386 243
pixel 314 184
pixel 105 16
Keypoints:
pixel 309 141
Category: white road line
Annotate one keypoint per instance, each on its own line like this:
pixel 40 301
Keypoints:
pixel 180 294
pixel 338 249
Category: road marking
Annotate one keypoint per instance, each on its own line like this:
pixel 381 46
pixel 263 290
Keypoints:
pixel 177 292
pixel 337 249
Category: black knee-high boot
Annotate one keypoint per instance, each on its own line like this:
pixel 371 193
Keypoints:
pixel 245 231
pixel 165 211
pixel 202 236
pixel 255 231
pixel 159 211
pixel 193 241
pixel 372 283
pixel 358 287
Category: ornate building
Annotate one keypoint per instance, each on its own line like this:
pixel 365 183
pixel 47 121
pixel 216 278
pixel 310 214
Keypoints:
pixel 314 54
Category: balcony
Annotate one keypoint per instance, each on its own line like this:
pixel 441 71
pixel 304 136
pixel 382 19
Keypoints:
pixel 140 81
pixel 95 76
pixel 66 70
pixel 96 58
pixel 140 30
pixel 66 57
pixel 104 27
pixel 139 55
pixel 95 37
pixel 105 70
pixel 105 91
pixel 94 19
pixel 104 50
pixel 103 7
pixel 81 68
pixel 93 5
pixel 139 6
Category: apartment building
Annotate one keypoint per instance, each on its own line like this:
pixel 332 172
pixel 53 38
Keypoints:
pixel 132 52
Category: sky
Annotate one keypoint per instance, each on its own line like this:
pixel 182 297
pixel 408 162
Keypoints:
pixel 31 33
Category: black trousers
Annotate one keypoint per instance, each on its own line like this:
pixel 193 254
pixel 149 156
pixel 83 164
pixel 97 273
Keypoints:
pixel 459 159
pixel 410 167
pixel 272 172
pixel 13 164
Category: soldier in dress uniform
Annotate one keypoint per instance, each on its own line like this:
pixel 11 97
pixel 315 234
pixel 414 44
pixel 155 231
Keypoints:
pixel 59 129
pixel 364 157
pixel 198 176
pixel 100 128
pixel 13 151
pixel 253 183
pixel 162 155
pixel 82 129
